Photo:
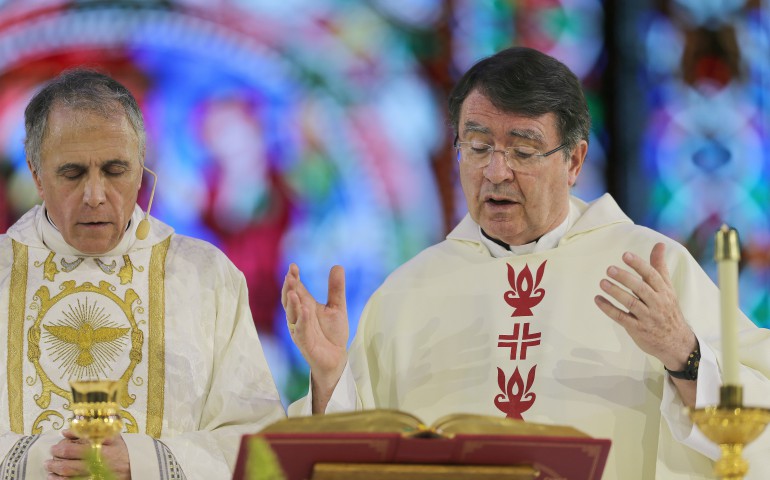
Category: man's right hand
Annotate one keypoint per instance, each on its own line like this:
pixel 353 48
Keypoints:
pixel 70 458
pixel 319 331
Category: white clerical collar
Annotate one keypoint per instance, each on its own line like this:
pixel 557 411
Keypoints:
pixel 53 239
pixel 546 242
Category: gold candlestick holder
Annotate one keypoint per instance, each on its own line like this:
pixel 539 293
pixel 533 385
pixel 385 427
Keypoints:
pixel 731 426
pixel 96 415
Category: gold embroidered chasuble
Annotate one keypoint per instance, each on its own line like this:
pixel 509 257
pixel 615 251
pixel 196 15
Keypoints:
pixel 167 316
pixel 76 318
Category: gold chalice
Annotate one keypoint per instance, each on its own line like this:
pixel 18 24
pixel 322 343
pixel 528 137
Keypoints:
pixel 96 414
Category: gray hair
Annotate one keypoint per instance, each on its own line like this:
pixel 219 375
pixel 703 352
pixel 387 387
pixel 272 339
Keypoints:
pixel 530 83
pixel 79 89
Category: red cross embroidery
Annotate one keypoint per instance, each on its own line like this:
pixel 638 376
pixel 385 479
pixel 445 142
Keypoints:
pixel 512 341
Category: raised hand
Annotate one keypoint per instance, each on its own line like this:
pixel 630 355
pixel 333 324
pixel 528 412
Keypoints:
pixel 319 331
pixel 652 316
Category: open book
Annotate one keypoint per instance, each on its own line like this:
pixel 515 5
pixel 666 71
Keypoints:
pixel 394 437
pixel 396 421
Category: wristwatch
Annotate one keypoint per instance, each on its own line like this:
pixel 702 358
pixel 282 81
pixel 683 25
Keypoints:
pixel 690 371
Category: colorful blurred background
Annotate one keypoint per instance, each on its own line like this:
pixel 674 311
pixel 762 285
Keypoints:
pixel 315 131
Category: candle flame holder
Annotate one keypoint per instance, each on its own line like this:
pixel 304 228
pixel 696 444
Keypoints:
pixel 731 426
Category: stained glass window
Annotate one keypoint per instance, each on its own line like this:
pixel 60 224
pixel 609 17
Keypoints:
pixel 703 143
pixel 307 131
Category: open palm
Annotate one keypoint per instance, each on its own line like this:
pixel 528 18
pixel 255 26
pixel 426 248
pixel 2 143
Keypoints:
pixel 320 331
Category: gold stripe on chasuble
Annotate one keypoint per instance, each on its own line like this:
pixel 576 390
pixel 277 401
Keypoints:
pixel 16 303
pixel 156 362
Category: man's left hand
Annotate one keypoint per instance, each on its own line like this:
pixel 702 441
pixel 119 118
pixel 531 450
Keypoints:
pixel 71 453
pixel 652 316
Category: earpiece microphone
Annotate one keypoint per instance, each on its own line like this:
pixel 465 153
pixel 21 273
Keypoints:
pixel 144 226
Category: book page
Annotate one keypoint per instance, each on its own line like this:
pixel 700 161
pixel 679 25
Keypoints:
pixel 467 423
pixel 380 420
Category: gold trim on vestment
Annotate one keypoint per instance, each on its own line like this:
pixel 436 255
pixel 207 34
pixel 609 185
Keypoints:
pixel 156 358
pixel 16 308
pixel 57 424
pixel 46 302
pixel 129 422
pixel 49 267
pixel 84 338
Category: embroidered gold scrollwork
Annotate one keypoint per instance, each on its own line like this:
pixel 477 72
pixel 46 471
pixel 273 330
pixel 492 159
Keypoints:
pixel 49 267
pixel 126 273
pixel 84 337
pixel 43 399
pixel 129 422
pixel 46 417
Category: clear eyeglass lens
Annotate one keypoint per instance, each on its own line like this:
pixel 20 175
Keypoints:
pixel 519 156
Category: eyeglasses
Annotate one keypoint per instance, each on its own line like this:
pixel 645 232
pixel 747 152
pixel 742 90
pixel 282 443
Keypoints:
pixel 517 157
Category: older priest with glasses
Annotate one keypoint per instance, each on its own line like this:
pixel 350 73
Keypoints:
pixel 537 306
pixel 91 287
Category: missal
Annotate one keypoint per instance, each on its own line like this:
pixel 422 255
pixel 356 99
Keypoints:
pixel 311 447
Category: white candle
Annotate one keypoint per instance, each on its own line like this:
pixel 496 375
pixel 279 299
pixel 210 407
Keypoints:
pixel 727 255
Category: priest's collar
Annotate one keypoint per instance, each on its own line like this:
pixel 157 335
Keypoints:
pixel 548 241
pixel 54 240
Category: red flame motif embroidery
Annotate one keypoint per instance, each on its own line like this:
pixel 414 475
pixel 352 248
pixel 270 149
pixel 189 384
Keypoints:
pixel 516 397
pixel 524 293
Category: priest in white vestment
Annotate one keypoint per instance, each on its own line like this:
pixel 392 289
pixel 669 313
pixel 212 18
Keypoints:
pixel 537 306
pixel 86 292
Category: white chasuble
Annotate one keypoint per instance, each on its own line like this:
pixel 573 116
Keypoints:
pixel 459 330
pixel 166 316
pixel 81 318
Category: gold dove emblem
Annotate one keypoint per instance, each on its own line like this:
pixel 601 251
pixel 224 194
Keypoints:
pixel 86 343
pixel 85 337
